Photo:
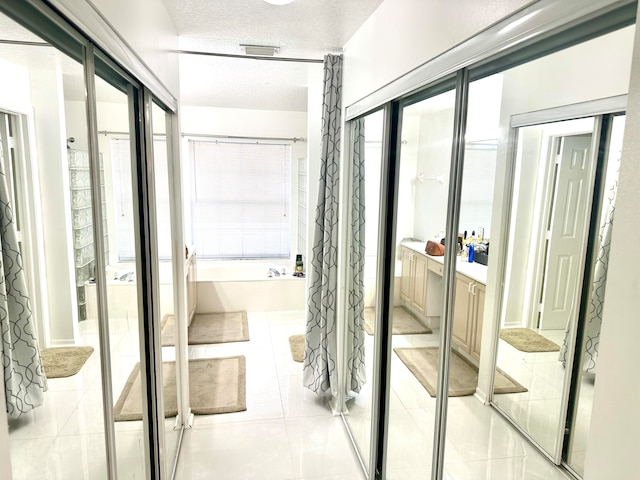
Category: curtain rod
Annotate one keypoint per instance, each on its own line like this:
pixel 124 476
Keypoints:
pixel 252 57
pixel 223 137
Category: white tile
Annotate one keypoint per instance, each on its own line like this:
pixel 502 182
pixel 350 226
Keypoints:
pixel 298 401
pixel 319 446
pixel 532 467
pixel 249 450
pixel 48 419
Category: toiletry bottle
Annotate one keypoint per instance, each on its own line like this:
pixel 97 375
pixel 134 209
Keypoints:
pixel 471 253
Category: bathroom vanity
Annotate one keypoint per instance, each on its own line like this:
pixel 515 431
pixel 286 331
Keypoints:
pixel 421 293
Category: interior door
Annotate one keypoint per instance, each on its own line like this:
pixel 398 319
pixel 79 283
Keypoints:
pixel 567 229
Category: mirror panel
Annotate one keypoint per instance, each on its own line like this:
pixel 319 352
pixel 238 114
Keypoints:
pixel 588 353
pixel 360 403
pixel 553 167
pixel 425 156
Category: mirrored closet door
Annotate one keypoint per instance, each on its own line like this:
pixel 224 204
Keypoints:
pixel 561 140
pixel 366 140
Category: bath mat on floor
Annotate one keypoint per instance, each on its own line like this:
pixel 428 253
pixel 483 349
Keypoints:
pixel 216 385
pixel 61 362
pixel 463 376
pixel 208 328
pixel 527 340
pixel 296 345
pixel 404 323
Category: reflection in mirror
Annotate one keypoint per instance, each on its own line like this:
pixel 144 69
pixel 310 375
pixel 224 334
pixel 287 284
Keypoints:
pixel 168 326
pixel 122 293
pixel 550 213
pixel 425 156
pixel 43 147
pixel 359 406
pixel 587 356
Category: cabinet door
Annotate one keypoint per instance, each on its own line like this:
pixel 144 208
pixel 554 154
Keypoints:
pixel 462 312
pixel 419 287
pixel 480 291
pixel 405 279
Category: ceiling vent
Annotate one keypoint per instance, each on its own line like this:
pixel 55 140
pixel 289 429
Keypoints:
pixel 262 50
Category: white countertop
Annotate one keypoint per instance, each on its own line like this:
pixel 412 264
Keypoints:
pixel 475 271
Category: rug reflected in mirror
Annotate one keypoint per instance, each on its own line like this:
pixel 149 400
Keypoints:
pixel 463 375
pixel 209 328
pixel 216 385
pixel 527 340
pixel 59 362
pixel 403 322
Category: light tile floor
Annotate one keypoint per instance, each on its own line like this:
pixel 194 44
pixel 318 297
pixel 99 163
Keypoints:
pixel 480 443
pixel 287 431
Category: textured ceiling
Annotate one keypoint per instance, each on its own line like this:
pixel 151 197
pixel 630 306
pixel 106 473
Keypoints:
pixel 302 29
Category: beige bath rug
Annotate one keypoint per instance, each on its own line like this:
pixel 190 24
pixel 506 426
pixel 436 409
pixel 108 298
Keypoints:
pixel 527 340
pixel 296 345
pixel 208 328
pixel 216 385
pixel 403 322
pixel 64 361
pixel 463 375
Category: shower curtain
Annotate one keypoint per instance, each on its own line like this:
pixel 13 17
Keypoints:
pixel 354 340
pixel 321 340
pixel 594 317
pixel 24 379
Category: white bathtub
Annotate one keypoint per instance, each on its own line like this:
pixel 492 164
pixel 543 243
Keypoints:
pixel 246 285
pixel 122 295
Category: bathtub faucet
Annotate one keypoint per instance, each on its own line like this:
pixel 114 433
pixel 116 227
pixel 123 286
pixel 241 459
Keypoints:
pixel 273 272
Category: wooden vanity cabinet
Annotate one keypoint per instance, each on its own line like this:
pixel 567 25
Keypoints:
pixel 413 283
pixel 467 316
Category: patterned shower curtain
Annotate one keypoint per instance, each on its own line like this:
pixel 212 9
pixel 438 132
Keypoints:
pixel 354 340
pixel 24 379
pixel 320 362
pixel 594 317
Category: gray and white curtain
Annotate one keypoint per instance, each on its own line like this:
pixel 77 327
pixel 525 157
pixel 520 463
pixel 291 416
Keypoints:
pixel 594 317
pixel 321 345
pixel 24 379
pixel 320 372
pixel 354 341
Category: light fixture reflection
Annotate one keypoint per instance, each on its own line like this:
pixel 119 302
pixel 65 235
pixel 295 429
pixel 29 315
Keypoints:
pixel 279 2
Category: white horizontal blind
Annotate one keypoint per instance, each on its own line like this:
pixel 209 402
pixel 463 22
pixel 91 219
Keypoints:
pixel 241 199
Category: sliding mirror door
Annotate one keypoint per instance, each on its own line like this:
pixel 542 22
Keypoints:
pixel 585 366
pixel 366 135
pixel 553 142
pixel 426 136
pixel 169 270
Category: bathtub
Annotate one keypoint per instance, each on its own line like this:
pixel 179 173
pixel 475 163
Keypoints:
pixel 122 294
pixel 246 285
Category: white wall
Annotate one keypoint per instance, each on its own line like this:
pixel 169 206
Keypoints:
pixel 48 107
pixel 615 422
pixel 403 34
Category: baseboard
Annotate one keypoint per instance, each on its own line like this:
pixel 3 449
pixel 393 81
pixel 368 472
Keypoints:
pixel 64 342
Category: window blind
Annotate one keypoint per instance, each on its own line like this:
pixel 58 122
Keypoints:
pixel 241 199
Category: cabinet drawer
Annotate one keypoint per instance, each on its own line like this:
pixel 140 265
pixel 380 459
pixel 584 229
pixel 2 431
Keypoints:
pixel 435 267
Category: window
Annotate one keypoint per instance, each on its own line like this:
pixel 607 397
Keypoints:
pixel 123 199
pixel 241 199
